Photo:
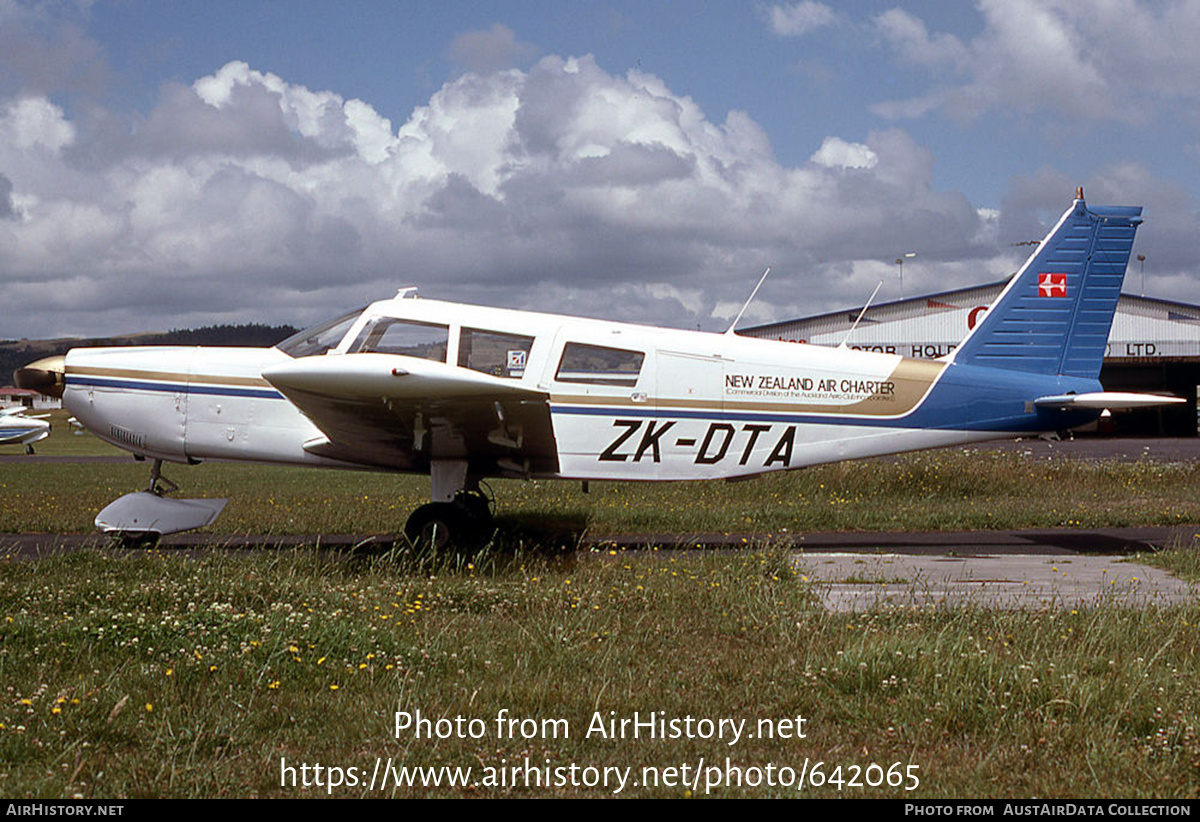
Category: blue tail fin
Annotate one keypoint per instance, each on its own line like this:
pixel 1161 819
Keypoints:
pixel 1054 316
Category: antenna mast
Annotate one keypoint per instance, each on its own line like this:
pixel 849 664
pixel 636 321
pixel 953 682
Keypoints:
pixel 860 314
pixel 761 280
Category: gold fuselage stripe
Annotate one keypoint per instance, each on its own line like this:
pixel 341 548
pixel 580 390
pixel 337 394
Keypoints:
pixel 911 381
pixel 166 376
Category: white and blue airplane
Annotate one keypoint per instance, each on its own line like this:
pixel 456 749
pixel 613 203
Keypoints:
pixel 465 393
pixel 18 429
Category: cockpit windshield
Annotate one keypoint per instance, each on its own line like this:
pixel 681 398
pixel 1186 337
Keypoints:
pixel 319 339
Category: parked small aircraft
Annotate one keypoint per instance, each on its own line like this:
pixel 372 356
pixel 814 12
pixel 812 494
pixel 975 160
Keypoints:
pixel 464 393
pixel 18 429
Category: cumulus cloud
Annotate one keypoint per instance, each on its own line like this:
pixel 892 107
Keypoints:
pixel 1109 60
pixel 8 211
pixel 491 50
pixel 243 196
pixel 32 122
pixel 837 153
pixel 44 48
pixel 801 18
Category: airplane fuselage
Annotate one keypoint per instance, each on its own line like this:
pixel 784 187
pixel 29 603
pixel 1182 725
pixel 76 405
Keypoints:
pixel 463 393
pixel 625 401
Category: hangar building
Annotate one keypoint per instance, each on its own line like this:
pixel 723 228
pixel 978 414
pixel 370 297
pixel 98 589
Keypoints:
pixel 1154 345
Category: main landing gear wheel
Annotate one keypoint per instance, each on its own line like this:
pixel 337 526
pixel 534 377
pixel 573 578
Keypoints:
pixel 464 524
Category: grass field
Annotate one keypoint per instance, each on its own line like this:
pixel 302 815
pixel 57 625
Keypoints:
pixel 168 674
pixel 939 490
pixel 159 675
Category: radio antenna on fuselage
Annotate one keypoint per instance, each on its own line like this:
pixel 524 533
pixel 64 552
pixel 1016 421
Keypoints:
pixel 860 314
pixel 761 279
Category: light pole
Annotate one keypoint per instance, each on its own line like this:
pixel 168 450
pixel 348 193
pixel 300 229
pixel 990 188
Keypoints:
pixel 900 262
pixel 1142 260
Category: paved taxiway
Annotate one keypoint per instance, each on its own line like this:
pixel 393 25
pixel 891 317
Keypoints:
pixel 854 582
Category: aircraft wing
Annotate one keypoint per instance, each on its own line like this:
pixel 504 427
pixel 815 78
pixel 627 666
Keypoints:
pixel 393 411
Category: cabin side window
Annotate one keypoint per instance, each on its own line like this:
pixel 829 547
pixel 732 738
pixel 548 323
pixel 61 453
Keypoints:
pixel 392 336
pixel 599 365
pixel 493 352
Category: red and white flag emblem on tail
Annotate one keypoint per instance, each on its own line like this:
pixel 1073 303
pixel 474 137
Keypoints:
pixel 1052 285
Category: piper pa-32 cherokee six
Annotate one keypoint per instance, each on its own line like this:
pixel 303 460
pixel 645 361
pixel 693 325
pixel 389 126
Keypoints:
pixel 465 393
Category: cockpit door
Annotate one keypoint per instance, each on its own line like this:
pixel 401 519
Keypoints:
pixel 689 400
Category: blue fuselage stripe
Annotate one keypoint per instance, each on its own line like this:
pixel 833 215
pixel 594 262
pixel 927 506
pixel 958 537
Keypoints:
pixel 1033 422
pixel 174 387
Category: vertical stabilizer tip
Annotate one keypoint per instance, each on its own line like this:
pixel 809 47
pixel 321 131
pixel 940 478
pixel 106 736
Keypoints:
pixel 1079 193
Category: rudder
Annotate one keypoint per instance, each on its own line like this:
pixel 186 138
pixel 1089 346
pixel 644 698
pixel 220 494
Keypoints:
pixel 1055 314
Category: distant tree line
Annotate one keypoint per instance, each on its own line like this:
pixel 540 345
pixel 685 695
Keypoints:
pixel 16 353
pixel 251 335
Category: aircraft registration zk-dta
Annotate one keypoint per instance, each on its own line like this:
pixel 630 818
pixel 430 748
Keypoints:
pixel 464 393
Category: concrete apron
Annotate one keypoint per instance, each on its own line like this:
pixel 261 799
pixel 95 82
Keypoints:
pixel 862 582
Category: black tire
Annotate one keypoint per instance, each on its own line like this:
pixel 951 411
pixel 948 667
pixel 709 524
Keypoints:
pixel 442 526
pixel 135 540
pixel 435 526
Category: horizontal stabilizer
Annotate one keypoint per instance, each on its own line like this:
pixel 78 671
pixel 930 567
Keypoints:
pixel 1111 400
pixel 143 512
pixel 19 411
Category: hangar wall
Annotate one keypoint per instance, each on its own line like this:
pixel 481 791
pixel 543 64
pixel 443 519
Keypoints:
pixel 1154 345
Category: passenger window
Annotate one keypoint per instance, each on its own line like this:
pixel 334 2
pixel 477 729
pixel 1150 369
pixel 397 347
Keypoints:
pixel 388 336
pixel 597 365
pixel 501 355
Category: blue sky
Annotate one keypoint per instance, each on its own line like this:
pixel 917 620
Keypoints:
pixel 168 164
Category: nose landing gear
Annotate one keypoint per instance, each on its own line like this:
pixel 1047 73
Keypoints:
pixel 137 520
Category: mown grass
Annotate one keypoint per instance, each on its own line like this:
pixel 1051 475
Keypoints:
pixel 168 674
pixel 949 489
pixel 941 490
pixel 153 674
